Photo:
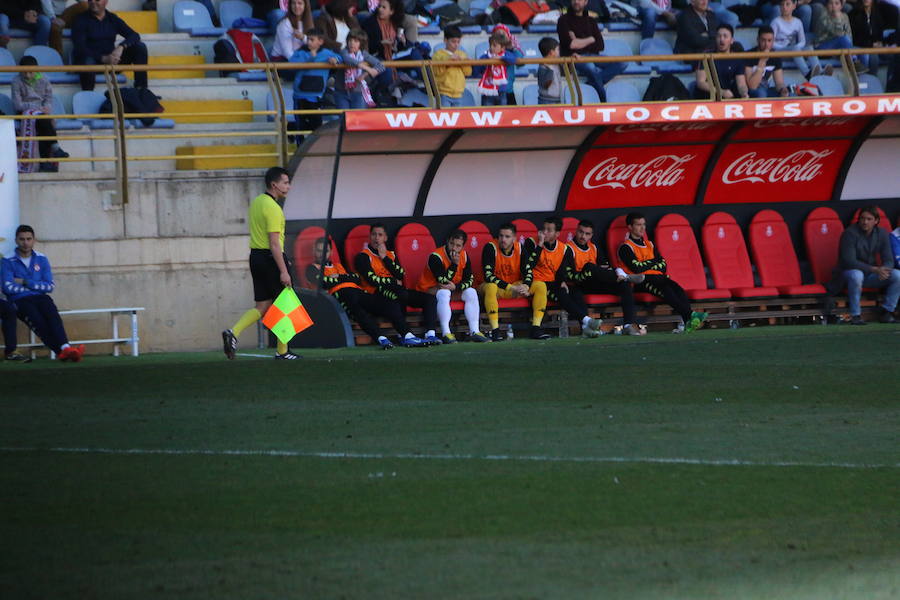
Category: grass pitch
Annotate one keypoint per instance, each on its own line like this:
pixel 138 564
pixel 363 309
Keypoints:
pixel 751 464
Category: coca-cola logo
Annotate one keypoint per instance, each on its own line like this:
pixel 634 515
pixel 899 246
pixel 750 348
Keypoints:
pixel 833 121
pixel 797 167
pixel 662 171
pixel 656 127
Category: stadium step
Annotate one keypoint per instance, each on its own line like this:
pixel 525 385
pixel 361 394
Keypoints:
pixel 199 107
pixel 189 59
pixel 142 21
pixel 232 157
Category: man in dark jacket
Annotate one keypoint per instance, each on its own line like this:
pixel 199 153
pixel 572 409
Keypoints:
pixel 94 42
pixel 866 260
pixel 579 35
pixel 696 29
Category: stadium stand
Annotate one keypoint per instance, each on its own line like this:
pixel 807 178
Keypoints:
pixel 725 252
pixel 192 17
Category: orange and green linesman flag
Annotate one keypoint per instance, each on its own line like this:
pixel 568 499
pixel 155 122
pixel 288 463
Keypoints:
pixel 287 317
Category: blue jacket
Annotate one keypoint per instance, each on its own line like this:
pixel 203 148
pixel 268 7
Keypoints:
pixel 310 84
pixel 38 278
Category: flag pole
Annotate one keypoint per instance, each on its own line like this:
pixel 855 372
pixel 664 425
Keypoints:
pixel 334 177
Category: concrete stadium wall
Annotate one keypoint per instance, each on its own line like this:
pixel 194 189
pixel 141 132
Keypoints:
pixel 177 248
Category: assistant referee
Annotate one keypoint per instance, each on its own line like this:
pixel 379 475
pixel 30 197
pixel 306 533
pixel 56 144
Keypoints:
pixel 268 262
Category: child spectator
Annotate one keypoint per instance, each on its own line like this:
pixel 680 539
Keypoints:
pixel 549 76
pixel 833 30
pixel 32 94
pixel 352 90
pixel 289 34
pixel 494 82
pixel 310 84
pixel 789 35
pixel 451 80
pixel 512 46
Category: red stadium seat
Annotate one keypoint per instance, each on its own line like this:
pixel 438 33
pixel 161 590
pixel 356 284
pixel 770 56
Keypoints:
pixel 822 231
pixel 615 235
pixel 479 235
pixel 304 255
pixel 525 229
pixel 354 243
pixel 413 244
pixel 775 257
pixel 678 245
pixel 883 222
pixel 726 255
pixel 570 224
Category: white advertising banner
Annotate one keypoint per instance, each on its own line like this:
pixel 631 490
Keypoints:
pixel 9 187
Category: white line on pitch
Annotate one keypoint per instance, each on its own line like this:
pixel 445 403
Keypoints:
pixel 253 355
pixel 487 457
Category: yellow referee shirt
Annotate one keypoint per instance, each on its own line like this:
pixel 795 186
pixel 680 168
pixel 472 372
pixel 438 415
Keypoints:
pixel 266 217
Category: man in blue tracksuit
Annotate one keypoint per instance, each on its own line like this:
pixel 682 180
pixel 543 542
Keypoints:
pixel 27 281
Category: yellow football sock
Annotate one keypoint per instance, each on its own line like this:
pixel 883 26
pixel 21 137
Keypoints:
pixel 491 306
pixel 250 317
pixel 281 348
pixel 538 291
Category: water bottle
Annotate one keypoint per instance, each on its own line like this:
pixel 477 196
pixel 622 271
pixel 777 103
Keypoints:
pixel 509 331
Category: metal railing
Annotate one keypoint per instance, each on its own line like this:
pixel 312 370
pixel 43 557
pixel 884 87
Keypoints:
pixel 282 116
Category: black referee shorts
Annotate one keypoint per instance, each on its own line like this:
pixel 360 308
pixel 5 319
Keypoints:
pixel 264 271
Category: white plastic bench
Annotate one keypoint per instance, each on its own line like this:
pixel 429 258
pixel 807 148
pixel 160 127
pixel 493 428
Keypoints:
pixel 116 340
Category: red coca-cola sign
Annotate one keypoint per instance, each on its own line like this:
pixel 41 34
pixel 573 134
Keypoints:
pixel 681 132
pixel 644 176
pixel 802 171
pixel 779 129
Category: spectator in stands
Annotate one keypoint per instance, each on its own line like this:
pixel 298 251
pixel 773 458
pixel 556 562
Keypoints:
pixel 32 94
pixel 382 274
pixel 552 261
pixel 507 274
pixel 512 46
pixel 310 84
pixel 385 29
pixel 865 259
pixel 765 76
pixel 638 255
pixel 448 274
pixel 833 30
pixel 494 83
pixel 8 324
pixel 352 90
pixel 61 18
pixel 592 274
pixel 650 11
pixel 730 70
pixel 359 305
pixel 579 35
pixel 271 11
pixel 868 31
pixel 451 79
pixel 336 22
pixel 790 35
pixel 94 42
pixel 290 34
pixel 269 265
pixel 696 29
pixel 28 15
pixel 802 9
pixel 28 282
pixel 549 76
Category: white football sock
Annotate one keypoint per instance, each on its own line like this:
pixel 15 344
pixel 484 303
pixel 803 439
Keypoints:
pixel 470 297
pixel 443 310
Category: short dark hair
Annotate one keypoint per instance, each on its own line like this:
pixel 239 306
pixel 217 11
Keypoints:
pixel 871 209
pixel 377 225
pixel 24 229
pixel 28 61
pixel 634 216
pixel 274 174
pixel 361 36
pixel 452 31
pixel 764 29
pixel 546 45
pixel 586 223
pixel 726 26
pixel 556 221
pixel 315 32
pixel 457 234
pixel 510 226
